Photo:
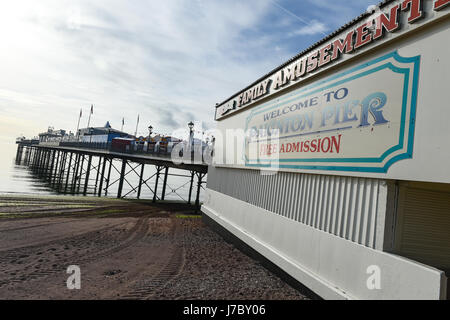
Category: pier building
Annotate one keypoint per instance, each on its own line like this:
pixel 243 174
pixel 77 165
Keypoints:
pixel 335 165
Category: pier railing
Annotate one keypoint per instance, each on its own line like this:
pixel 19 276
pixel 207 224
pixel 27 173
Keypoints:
pixel 140 149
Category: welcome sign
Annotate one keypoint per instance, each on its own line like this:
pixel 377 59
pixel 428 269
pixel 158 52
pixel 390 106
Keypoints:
pixel 359 120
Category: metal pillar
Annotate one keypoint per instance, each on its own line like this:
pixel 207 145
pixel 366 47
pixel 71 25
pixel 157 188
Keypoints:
pixel 41 162
pixel 190 187
pixel 88 171
pixel 140 181
pixel 62 169
pixel 68 172
pixel 38 160
pixel 75 172
pixel 156 183
pixel 46 163
pixel 166 173
pixel 51 166
pixel 199 184
pixel 102 177
pixel 19 153
pixel 57 164
pixel 122 176
pixel 109 177
pixel 98 174
pixel 81 172
pixel 33 153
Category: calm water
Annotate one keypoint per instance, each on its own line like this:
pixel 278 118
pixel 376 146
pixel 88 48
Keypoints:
pixel 19 179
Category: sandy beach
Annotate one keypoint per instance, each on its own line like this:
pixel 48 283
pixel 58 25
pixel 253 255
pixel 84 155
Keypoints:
pixel 125 250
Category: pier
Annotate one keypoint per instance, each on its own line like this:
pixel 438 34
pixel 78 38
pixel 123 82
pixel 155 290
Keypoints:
pixel 87 168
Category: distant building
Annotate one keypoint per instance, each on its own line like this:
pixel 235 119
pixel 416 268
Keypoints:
pixel 101 134
pixel 51 135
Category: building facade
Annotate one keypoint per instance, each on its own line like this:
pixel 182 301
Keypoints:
pixel 334 166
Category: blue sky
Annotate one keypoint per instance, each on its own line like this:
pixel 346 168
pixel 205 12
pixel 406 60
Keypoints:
pixel 169 61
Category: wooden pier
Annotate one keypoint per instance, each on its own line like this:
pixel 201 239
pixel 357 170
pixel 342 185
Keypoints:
pixel 87 170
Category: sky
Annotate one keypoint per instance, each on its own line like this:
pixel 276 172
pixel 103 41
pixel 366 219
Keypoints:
pixel 168 61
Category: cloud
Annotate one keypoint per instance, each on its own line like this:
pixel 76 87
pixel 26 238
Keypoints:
pixel 168 61
pixel 314 27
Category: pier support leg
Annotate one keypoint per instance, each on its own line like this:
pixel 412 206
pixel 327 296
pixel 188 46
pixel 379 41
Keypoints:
pixel 35 155
pixel 38 158
pixel 141 177
pixel 75 172
pixel 199 185
pixel 38 162
pixel 158 170
pixel 50 175
pixel 41 163
pixel 57 164
pixel 98 174
pixel 122 177
pixel 62 170
pixel 46 164
pixel 81 172
pixel 88 172
pixel 190 187
pixel 68 173
pixel 18 153
pixel 109 177
pixel 166 173
pixel 102 177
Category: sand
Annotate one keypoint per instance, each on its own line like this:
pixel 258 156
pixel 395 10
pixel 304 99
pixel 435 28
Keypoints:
pixel 125 250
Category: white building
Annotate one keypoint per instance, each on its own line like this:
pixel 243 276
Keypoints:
pixel 342 178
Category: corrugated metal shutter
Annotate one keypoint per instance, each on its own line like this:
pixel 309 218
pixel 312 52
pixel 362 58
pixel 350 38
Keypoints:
pixel 344 206
pixel 423 227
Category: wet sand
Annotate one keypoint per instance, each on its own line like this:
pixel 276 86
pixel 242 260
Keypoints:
pixel 125 250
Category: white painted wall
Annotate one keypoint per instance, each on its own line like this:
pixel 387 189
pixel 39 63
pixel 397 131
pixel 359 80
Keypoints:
pixel 332 267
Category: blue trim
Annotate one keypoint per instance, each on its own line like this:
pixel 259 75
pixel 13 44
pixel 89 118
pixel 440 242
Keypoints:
pixel 295 95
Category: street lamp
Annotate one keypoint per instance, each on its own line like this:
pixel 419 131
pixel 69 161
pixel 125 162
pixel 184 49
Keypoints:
pixel 150 130
pixel 191 136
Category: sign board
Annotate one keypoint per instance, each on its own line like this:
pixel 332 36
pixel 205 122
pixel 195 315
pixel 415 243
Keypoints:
pixel 387 24
pixel 360 120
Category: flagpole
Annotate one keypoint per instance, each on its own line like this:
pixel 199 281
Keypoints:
pixel 92 110
pixel 123 120
pixel 137 123
pixel 79 118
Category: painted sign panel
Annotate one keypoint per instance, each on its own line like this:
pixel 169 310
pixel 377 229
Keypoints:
pixel 360 120
pixel 393 19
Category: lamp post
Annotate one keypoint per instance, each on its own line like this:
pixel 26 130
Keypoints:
pixel 191 138
pixel 150 130
pixel 191 135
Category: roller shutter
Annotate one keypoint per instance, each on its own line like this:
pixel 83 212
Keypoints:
pixel 423 225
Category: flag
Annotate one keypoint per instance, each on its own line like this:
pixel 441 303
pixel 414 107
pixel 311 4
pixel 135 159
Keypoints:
pixel 138 119
pixel 81 112
pixel 123 121
pixel 92 108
